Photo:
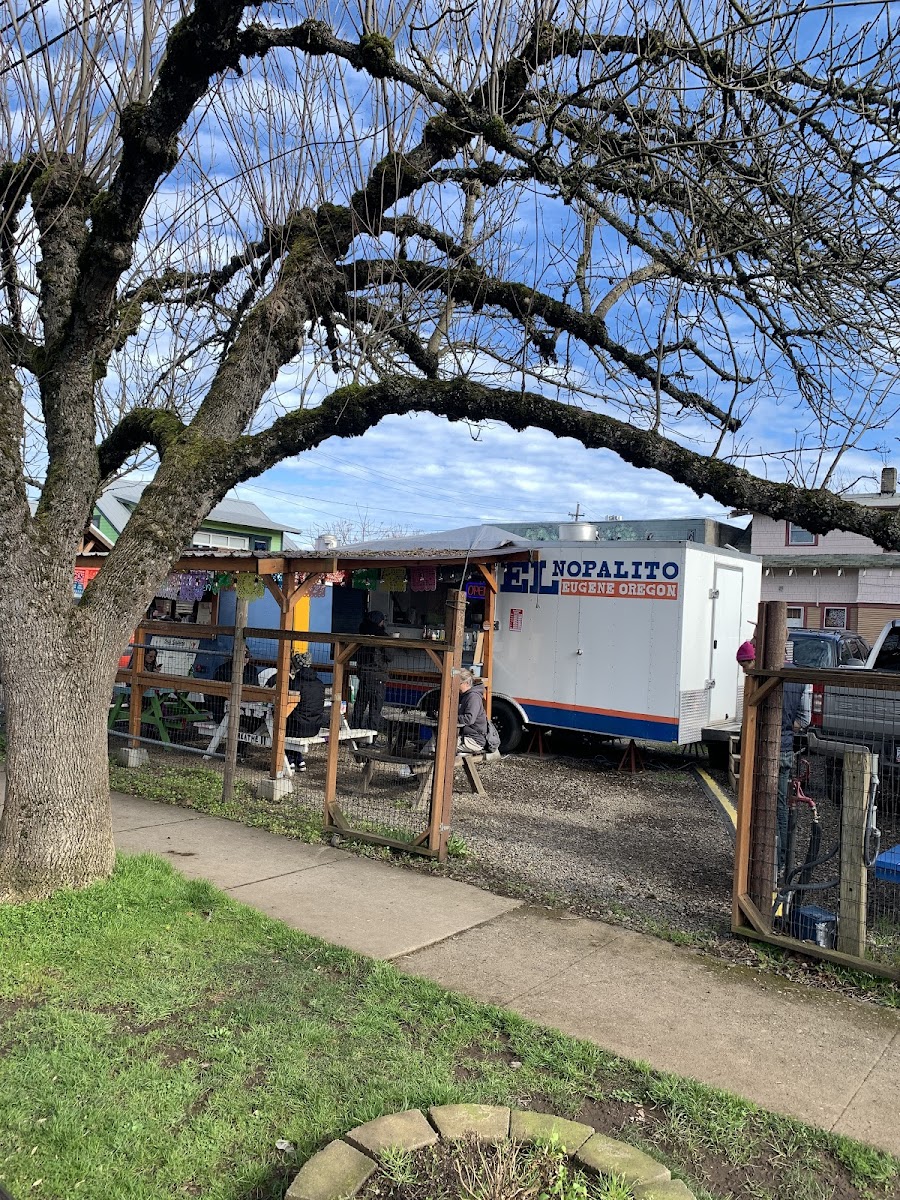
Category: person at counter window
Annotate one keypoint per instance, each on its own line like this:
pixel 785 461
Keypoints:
pixel 372 665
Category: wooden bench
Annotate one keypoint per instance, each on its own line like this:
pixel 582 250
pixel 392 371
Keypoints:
pixel 467 760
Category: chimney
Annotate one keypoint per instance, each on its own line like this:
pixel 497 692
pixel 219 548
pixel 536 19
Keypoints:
pixel 888 481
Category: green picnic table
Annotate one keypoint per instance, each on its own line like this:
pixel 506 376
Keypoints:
pixel 164 711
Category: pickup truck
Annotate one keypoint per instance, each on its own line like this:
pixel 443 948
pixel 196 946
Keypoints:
pixel 850 718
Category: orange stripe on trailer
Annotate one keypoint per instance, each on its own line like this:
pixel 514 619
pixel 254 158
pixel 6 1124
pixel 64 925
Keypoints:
pixel 603 712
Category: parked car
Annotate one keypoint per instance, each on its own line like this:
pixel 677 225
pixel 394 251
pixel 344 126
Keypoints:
pixel 856 718
pixel 827 649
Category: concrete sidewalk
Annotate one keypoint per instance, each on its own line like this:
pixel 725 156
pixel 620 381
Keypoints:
pixel 809 1054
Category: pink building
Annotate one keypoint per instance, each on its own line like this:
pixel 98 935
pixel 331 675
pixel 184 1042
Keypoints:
pixel 833 581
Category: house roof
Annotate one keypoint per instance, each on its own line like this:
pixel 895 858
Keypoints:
pixel 852 561
pixel 470 538
pixel 230 511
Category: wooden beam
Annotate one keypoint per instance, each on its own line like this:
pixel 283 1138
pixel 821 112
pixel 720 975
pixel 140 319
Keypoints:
pixel 447 727
pixel 136 697
pixel 282 683
pixel 848 677
pixel 487 643
pixel 334 729
pixel 765 687
pixel 436 658
pixel 275 591
pixel 851 937
pixel 303 589
pixel 487 570
pixel 744 801
pixel 771 637
pixel 810 949
pixel 234 701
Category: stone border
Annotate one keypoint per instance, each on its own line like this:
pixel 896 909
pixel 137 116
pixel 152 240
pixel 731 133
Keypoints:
pixel 340 1170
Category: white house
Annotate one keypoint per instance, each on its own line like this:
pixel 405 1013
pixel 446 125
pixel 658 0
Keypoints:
pixel 833 581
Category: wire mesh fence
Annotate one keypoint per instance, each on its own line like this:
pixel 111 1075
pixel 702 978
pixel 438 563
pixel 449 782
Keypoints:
pixel 818 853
pixel 354 736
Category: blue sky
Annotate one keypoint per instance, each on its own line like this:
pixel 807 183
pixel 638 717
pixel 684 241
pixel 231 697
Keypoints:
pixel 423 473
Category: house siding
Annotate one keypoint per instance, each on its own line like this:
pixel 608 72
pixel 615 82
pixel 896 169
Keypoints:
pixel 770 537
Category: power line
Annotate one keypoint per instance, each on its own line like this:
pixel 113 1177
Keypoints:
pixel 465 513
pixel 104 8
pixel 28 12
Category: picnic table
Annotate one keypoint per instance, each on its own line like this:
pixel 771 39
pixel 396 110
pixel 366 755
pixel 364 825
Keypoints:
pixel 263 735
pixel 398 720
pixel 165 711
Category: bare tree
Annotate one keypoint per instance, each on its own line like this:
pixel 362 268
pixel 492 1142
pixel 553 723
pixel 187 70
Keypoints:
pixel 363 528
pixel 230 232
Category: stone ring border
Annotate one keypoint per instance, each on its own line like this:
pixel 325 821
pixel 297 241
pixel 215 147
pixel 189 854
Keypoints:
pixel 344 1166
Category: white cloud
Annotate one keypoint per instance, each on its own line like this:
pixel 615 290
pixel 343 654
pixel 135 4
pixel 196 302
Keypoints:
pixel 425 473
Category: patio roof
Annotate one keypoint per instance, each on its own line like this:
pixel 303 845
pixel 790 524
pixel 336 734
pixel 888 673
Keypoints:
pixel 343 558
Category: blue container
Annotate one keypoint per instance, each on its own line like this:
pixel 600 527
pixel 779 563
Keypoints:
pixel 887 865
pixel 814 924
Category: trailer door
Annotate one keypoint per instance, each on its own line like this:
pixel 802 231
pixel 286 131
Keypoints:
pixel 724 671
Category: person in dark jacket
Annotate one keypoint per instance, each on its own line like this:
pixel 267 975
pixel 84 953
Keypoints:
pixel 473 723
pixel 372 663
pixel 216 704
pixel 307 716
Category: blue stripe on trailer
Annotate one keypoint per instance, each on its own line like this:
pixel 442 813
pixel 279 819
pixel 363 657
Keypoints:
pixel 615 724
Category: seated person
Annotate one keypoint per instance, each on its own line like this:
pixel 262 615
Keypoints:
pixel 471 717
pixel 216 704
pixel 473 722
pixel 151 659
pixel 308 715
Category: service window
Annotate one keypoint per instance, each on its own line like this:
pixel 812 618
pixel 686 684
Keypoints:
pixel 794 617
pixel 800 537
pixel 834 618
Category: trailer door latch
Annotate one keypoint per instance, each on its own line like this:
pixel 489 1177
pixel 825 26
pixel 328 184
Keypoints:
pixel 713 593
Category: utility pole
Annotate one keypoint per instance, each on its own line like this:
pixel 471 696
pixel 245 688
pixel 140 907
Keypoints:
pixel 576 515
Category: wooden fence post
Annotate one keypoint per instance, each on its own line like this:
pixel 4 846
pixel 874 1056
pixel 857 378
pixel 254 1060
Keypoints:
pixel 771 637
pixel 136 696
pixel 234 698
pixel 742 841
pixel 447 728
pixel 851 937
pixel 282 679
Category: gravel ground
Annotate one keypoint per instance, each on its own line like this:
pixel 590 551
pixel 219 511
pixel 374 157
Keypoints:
pixel 572 830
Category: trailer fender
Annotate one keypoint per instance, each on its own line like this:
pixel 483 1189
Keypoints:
pixel 510 720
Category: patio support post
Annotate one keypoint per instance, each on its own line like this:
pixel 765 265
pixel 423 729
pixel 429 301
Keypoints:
pixel 771 637
pixel 282 677
pixel 742 842
pixel 234 698
pixel 343 652
pixel 445 749
pixel 487 654
pixel 136 696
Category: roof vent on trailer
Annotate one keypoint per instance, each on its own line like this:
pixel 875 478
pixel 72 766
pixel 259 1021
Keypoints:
pixel 578 531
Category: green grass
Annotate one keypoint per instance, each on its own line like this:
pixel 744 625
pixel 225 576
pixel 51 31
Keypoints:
pixel 159 1040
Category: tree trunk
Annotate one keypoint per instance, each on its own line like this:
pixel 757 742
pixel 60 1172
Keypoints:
pixel 56 829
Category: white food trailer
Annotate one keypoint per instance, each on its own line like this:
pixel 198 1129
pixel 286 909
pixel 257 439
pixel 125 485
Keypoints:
pixel 630 639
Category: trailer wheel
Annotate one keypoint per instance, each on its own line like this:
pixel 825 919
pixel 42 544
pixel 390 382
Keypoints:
pixel 509 725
